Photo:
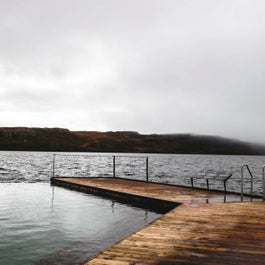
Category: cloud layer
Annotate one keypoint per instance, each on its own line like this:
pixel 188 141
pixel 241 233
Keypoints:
pixel 150 66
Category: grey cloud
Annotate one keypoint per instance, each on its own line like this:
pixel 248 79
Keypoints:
pixel 149 65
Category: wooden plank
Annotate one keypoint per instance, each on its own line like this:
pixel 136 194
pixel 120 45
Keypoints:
pixel 151 190
pixel 192 233
pixel 197 241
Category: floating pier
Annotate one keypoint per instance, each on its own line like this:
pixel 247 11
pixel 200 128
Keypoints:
pixel 199 228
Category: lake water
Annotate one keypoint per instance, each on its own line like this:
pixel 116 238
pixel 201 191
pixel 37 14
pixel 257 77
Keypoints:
pixel 173 169
pixel 43 225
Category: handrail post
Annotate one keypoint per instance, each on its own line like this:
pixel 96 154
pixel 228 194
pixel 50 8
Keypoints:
pixel 53 165
pixel 251 181
pixel 147 169
pixel 263 182
pixel 242 181
pixel 114 169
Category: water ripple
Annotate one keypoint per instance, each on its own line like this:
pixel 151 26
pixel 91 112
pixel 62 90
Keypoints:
pixel 173 169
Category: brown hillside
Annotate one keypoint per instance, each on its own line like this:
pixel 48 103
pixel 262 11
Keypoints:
pixel 56 139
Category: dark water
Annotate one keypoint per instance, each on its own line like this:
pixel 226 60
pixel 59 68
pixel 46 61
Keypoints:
pixel 50 225
pixel 41 224
pixel 173 169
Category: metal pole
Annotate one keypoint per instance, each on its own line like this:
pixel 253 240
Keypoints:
pixel 252 183
pixel 53 165
pixel 147 169
pixel 207 182
pixel 114 173
pixel 242 182
pixel 263 181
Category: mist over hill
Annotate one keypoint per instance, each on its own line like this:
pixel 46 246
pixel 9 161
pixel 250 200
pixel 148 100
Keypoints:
pixel 57 139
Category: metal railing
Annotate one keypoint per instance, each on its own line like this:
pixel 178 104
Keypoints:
pixel 114 162
pixel 224 177
pixel 142 157
pixel 263 182
pixel 242 181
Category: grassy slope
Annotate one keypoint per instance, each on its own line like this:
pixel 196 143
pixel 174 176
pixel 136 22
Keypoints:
pixel 55 139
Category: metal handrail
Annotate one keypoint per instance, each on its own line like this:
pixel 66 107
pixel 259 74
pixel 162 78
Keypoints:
pixel 242 181
pixel 53 165
pixel 216 176
pixel 146 165
pixel 114 166
pixel 92 155
pixel 113 162
pixel 263 182
pixel 147 169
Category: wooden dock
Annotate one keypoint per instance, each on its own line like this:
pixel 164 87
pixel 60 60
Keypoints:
pixel 201 230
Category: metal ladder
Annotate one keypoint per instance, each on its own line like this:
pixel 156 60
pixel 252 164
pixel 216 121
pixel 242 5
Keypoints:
pixel 251 181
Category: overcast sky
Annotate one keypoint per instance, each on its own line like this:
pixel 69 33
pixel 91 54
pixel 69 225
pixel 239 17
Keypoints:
pixel 153 66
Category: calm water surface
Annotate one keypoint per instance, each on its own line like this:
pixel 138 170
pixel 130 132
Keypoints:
pixel 41 224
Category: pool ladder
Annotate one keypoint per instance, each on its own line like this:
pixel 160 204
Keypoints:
pixel 251 181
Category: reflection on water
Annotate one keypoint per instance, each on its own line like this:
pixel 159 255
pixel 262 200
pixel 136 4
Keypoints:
pixel 173 169
pixel 44 224
pixel 52 225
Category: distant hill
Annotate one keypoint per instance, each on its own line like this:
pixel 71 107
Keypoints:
pixel 57 139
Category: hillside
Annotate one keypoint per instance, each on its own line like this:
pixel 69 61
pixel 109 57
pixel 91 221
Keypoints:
pixel 56 139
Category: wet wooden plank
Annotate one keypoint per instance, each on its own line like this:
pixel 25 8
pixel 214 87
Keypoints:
pixel 192 233
pixel 152 190
pixel 231 233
